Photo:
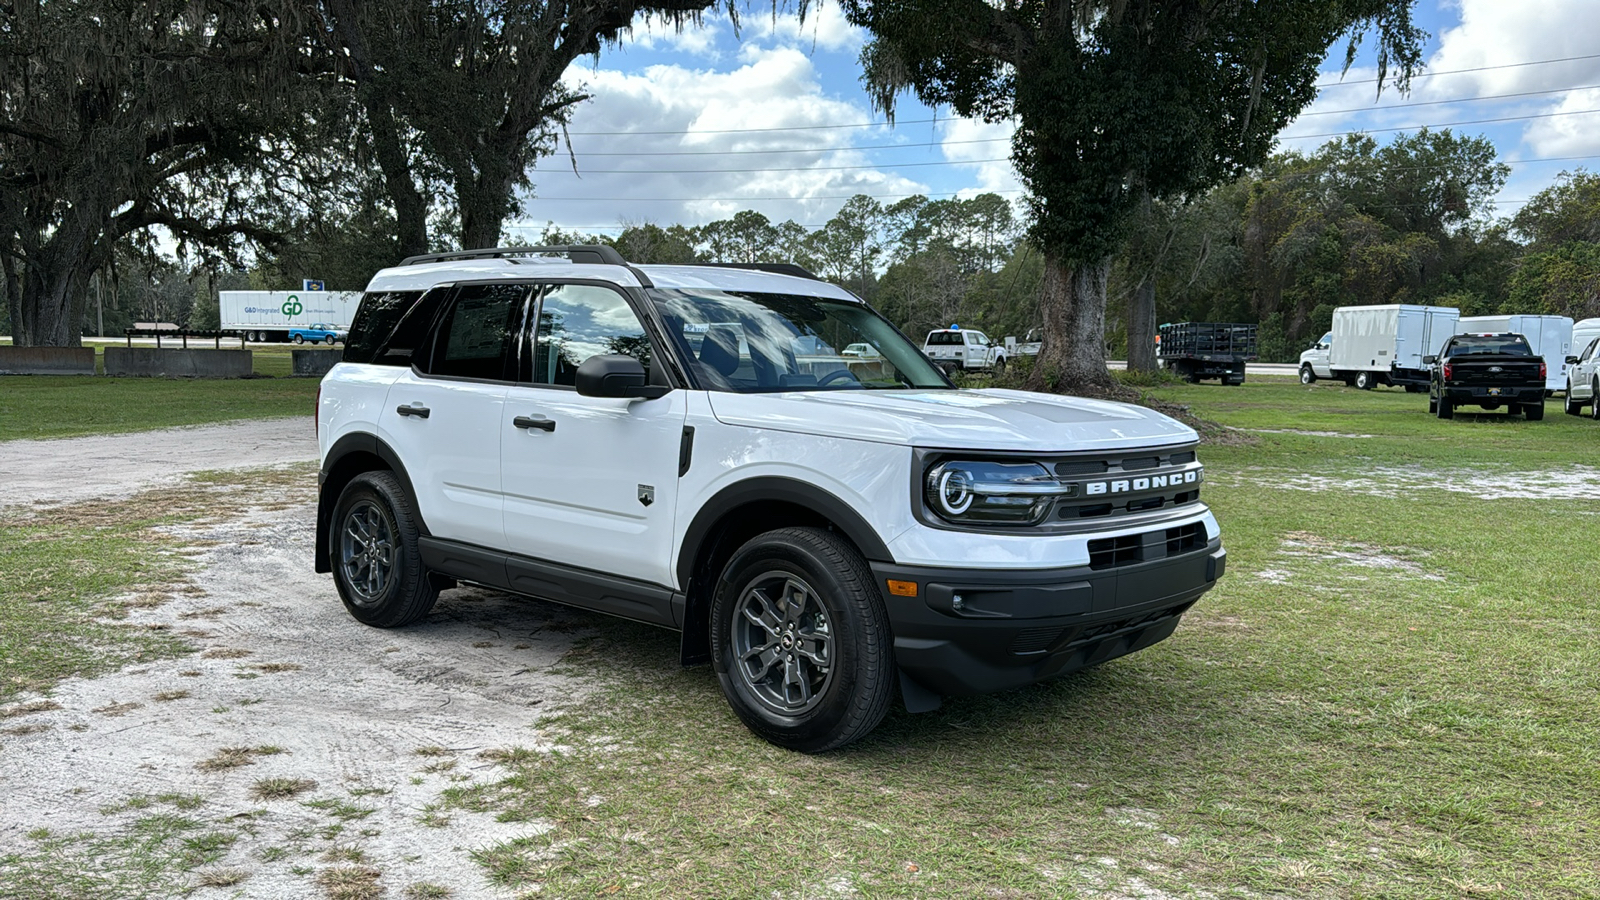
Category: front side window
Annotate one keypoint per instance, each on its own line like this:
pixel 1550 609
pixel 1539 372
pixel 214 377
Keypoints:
pixel 577 321
pixel 1588 352
pixel 748 342
pixel 478 335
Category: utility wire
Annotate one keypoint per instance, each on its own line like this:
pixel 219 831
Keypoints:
pixel 1575 112
pixel 1518 65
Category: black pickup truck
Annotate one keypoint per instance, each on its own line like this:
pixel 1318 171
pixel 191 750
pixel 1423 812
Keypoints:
pixel 1489 370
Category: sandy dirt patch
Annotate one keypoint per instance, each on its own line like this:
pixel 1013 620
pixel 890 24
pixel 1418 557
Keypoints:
pixel 1571 483
pixel 70 470
pixel 285 685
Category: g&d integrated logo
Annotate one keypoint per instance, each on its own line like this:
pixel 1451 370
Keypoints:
pixel 291 306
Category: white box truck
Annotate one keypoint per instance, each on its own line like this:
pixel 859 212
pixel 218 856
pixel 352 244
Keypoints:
pixel 268 315
pixel 1548 336
pixel 1375 345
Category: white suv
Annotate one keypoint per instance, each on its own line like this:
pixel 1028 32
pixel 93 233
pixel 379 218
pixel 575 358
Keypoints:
pixel 683 446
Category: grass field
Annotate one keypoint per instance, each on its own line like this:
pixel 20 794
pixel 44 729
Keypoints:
pixel 1391 694
pixel 47 406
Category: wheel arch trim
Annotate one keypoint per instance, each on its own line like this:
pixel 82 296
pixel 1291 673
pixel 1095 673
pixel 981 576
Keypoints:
pixel 335 475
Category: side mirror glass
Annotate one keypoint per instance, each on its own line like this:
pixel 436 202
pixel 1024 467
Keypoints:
pixel 615 375
pixel 1572 360
pixel 1429 360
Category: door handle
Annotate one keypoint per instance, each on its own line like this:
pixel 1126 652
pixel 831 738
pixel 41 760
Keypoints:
pixel 539 422
pixel 420 412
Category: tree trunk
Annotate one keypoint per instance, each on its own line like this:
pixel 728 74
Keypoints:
pixel 55 288
pixel 1072 302
pixel 410 209
pixel 1142 327
pixel 485 201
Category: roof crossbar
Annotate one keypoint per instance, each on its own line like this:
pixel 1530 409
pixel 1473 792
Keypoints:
pixel 584 254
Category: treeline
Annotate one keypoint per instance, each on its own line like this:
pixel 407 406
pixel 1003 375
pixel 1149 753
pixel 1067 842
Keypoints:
pixel 1352 223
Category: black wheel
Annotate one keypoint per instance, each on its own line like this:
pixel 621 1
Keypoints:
pixel 1445 408
pixel 1572 409
pixel 800 640
pixel 1365 381
pixel 1533 411
pixel 1000 366
pixel 1307 375
pixel 373 545
pixel 1594 400
pixel 1433 404
pixel 299 339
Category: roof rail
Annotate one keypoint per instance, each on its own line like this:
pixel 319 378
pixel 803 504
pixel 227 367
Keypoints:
pixel 774 268
pixel 588 254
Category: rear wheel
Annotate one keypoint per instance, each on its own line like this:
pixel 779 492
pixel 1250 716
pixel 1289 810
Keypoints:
pixel 1445 409
pixel 800 640
pixel 1365 380
pixel 373 544
pixel 1307 374
pixel 1533 411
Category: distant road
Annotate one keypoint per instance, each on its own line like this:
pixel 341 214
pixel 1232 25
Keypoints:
pixel 1249 369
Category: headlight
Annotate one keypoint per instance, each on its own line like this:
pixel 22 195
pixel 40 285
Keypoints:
pixel 991 492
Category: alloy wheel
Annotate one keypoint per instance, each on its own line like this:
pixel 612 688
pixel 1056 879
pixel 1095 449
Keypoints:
pixel 783 643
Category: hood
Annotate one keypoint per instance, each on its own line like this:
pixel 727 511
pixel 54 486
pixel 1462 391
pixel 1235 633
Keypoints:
pixel 955 419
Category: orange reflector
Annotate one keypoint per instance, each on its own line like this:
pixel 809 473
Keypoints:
pixel 903 588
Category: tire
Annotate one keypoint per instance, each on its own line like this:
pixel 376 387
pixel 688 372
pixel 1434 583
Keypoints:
pixel 1534 412
pixel 774 684
pixel 1572 409
pixel 1000 366
pixel 1365 381
pixel 1433 404
pixel 299 339
pixel 1594 400
pixel 328 340
pixel 1445 409
pixel 373 546
pixel 1307 375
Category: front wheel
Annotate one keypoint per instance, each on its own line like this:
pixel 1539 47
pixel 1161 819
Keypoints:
pixel 328 340
pixel 1000 366
pixel 1365 380
pixel 1594 400
pixel 376 564
pixel 1307 375
pixel 800 640
pixel 1571 408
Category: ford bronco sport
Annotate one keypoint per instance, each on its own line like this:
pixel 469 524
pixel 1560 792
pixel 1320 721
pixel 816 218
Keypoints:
pixel 684 446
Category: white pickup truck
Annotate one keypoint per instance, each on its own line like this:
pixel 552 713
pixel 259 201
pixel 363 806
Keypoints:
pixel 957 348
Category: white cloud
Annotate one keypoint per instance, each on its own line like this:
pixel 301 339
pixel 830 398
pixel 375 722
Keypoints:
pixel 759 118
pixel 980 144
pixel 825 28
pixel 1496 35
pixel 1566 134
pixel 690 39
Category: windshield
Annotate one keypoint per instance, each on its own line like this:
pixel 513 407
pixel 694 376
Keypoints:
pixel 747 342
pixel 1483 344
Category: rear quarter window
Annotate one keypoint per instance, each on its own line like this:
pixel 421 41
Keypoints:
pixel 390 324
pixel 945 339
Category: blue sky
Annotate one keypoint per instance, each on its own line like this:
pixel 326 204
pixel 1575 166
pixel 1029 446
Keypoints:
pixel 694 125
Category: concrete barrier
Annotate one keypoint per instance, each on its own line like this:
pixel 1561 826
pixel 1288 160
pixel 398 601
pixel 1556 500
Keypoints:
pixel 46 360
pixel 314 362
pixel 178 363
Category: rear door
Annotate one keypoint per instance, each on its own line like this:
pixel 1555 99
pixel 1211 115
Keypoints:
pixel 443 415
pixel 590 482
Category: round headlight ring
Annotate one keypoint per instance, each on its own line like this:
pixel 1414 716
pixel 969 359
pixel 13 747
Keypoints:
pixel 955 494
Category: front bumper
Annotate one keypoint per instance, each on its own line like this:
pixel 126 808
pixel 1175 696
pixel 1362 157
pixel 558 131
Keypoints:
pixel 1014 628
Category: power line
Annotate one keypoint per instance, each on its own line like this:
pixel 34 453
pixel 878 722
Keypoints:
pixel 915 165
pixel 793 150
pixel 1519 65
pixel 1367 109
pixel 1576 112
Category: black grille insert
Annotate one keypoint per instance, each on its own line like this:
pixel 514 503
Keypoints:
pixel 1185 538
pixel 1108 553
pixel 1074 467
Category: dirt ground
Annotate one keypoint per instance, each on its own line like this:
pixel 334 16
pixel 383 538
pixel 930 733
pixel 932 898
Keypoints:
pixel 381 721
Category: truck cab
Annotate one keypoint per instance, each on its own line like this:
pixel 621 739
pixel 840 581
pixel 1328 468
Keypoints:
pixel 1314 361
pixel 956 348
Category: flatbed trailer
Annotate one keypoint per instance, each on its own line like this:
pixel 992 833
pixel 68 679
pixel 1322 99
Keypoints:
pixel 1199 350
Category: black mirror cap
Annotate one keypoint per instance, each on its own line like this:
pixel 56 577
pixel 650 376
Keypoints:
pixel 1572 360
pixel 1429 360
pixel 615 375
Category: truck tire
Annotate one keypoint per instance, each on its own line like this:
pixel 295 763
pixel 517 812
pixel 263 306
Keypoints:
pixel 373 546
pixel 1307 374
pixel 1594 400
pixel 1000 366
pixel 1572 409
pixel 1366 380
pixel 329 340
pixel 299 339
pixel 1533 411
pixel 1446 409
pixel 800 640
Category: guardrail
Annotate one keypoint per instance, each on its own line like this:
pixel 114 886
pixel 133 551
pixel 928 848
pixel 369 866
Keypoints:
pixel 183 335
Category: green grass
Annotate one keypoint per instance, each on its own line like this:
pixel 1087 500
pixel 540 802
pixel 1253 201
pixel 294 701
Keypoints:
pixel 50 406
pixel 1391 694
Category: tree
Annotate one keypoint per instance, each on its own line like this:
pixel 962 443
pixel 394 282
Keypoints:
pixel 1567 211
pixel 121 116
pixel 1113 99
pixel 471 91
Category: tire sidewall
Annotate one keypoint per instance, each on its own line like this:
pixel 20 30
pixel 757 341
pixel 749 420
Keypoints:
pixel 1306 375
pixel 396 604
pixel 815 728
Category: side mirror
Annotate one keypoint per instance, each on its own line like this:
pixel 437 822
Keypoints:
pixel 615 376
pixel 1572 360
pixel 1428 360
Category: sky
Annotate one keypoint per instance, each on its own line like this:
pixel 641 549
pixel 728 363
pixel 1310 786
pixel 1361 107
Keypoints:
pixel 685 127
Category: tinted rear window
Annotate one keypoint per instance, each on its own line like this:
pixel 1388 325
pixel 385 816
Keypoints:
pixel 942 338
pixel 1506 344
pixel 376 318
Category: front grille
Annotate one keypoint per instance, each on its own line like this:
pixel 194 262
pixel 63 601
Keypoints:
pixel 1035 640
pixel 1108 553
pixel 1081 467
pixel 1185 538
